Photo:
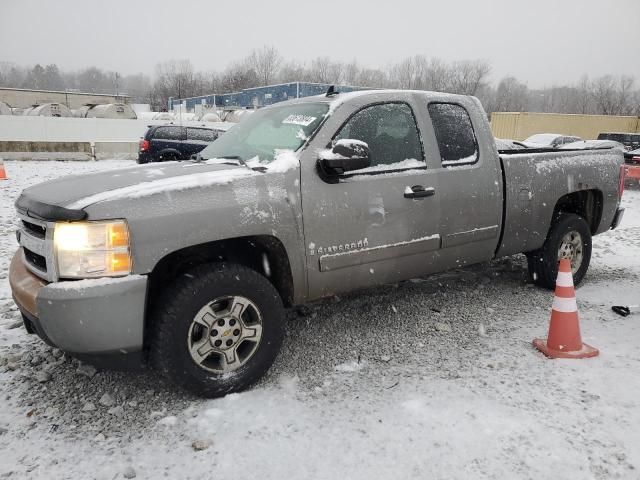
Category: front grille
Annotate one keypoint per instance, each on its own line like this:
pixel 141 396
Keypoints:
pixel 36 238
pixel 35 230
pixel 36 260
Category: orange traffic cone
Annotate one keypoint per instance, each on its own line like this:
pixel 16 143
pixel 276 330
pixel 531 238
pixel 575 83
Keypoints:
pixel 3 172
pixel 564 340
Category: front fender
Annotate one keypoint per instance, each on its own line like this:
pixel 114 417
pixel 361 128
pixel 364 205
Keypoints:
pixel 191 214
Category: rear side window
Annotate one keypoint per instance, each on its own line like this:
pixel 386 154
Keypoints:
pixel 454 133
pixel 168 133
pixel 201 134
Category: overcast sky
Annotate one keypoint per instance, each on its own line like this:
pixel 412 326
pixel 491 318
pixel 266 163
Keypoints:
pixel 542 42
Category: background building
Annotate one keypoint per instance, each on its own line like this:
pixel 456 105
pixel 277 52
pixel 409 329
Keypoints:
pixel 24 98
pixel 520 125
pixel 259 96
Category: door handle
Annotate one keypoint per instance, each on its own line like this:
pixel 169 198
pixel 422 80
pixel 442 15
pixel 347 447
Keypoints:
pixel 418 191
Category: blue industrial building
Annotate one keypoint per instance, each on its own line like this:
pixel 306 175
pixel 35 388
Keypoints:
pixel 260 96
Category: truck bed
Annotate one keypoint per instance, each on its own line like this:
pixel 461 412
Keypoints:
pixel 533 180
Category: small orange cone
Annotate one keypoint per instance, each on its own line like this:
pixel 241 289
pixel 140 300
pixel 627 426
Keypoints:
pixel 564 340
pixel 3 172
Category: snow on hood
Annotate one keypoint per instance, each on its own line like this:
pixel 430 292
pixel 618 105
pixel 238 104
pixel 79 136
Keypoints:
pixel 79 191
pixel 170 184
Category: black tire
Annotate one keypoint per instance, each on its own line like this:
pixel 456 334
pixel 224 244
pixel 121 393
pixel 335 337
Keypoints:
pixel 543 263
pixel 168 157
pixel 176 311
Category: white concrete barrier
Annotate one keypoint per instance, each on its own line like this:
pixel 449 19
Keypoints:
pixel 113 138
pixel 52 129
pixel 116 150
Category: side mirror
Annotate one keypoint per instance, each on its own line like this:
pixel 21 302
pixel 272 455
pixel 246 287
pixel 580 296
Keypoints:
pixel 345 156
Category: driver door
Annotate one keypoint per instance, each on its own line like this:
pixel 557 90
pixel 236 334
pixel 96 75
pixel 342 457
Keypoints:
pixel 369 227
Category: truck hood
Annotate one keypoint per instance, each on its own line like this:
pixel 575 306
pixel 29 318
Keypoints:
pixel 65 199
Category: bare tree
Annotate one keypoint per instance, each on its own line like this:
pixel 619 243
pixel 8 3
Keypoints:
pixel 605 96
pixel 437 76
pixel 510 96
pixel 94 80
pixel 238 76
pixel 610 95
pixel 351 73
pixel 320 69
pixel 292 72
pixel 11 75
pixel 406 74
pixel 372 77
pixel 634 102
pixel 469 76
pixel 323 70
pixel 626 95
pixel 174 78
pixel 265 62
pixel 584 102
pixel 137 86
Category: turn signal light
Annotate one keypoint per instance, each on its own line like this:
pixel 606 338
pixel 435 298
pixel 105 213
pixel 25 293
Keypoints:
pixel 118 235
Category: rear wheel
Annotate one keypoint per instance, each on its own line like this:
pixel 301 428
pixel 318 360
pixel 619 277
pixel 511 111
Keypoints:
pixel 168 157
pixel 218 329
pixel 568 238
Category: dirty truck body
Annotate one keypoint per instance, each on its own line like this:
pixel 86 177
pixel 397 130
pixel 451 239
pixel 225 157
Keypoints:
pixel 305 199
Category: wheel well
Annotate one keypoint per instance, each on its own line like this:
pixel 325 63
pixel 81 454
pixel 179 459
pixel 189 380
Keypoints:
pixel 265 254
pixel 169 151
pixel 586 203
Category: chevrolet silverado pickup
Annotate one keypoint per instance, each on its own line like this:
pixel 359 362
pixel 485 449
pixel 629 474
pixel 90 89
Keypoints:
pixel 189 266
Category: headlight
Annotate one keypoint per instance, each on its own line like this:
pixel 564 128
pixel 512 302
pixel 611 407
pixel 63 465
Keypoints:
pixel 92 249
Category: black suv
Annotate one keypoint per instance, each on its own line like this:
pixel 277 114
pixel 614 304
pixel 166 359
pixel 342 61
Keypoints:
pixel 631 141
pixel 173 142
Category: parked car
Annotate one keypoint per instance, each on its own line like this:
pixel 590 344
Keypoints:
pixel 174 142
pixel 549 140
pixel 631 141
pixel 192 268
pixel 632 166
pixel 594 144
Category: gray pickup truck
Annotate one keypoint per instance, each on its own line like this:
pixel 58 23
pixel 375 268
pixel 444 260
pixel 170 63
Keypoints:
pixel 188 266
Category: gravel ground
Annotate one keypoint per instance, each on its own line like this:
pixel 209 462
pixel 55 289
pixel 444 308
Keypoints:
pixel 430 378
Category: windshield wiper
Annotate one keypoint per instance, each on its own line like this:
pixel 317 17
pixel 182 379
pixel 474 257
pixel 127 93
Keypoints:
pixel 238 161
pixel 235 157
pixel 199 158
pixel 242 162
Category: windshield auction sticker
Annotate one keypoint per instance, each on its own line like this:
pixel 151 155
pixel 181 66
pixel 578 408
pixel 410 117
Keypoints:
pixel 303 120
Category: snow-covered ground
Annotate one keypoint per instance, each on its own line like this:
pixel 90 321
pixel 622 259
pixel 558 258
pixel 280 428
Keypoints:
pixel 432 378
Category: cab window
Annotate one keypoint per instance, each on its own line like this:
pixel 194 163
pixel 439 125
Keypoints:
pixel 391 133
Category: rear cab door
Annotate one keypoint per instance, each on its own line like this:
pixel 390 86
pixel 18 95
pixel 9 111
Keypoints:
pixel 466 168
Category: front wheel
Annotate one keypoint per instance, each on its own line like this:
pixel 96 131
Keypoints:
pixel 218 329
pixel 568 238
